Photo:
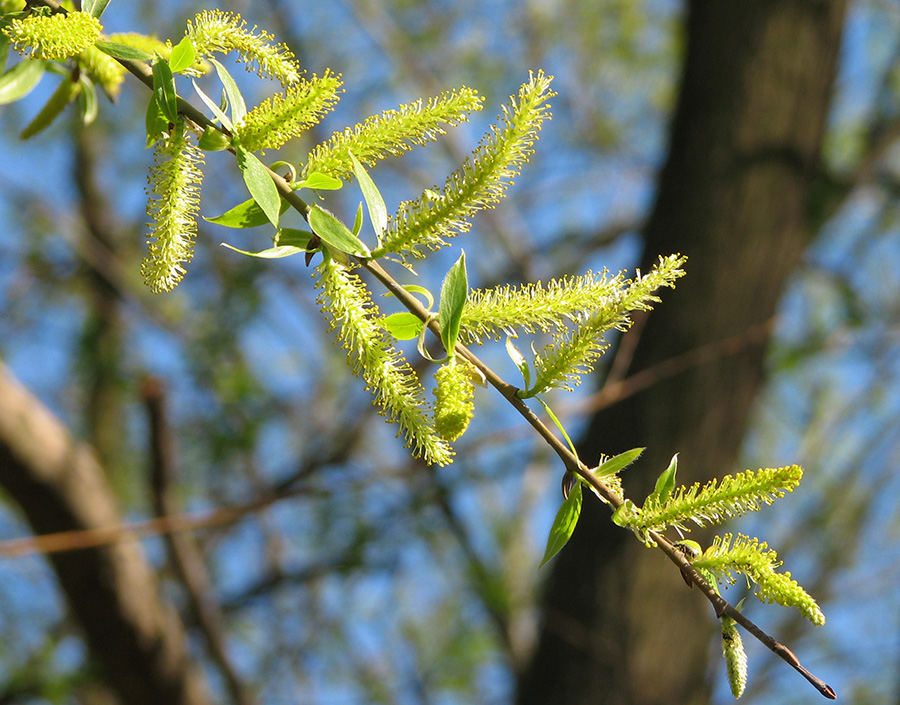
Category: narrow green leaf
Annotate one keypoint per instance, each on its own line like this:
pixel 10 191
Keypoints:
pixel 665 483
pixel 155 122
pixel 271 253
pixel 564 524
pixel 235 99
pixel 260 184
pixel 559 425
pixel 519 359
pixel 94 7
pixel 358 220
pixel 416 289
pixel 65 93
pixel 123 51
pixel 374 201
pixel 216 110
pixel 403 325
pixel 164 89
pixel 334 233
pixel 88 99
pixel 319 182
pixel 182 56
pixel 454 292
pixel 20 80
pixel 244 215
pixel 617 463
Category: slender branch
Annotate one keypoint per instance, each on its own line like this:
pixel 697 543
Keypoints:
pixel 183 550
pixel 509 392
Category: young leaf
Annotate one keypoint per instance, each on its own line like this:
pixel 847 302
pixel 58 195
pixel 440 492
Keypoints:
pixel 293 237
pixel 123 51
pixel 375 203
pixel 519 359
pixel 334 233
pixel 213 140
pixel 358 220
pixel 403 325
pixel 564 524
pixel 20 80
pixel 319 182
pixel 88 99
pixel 216 110
pixel 260 184
pixel 235 99
pixel 244 215
pixel 454 292
pixel 164 89
pixel 559 425
pixel 182 55
pixel 271 253
pixel 94 7
pixel 617 463
pixel 665 483
pixel 155 122
pixel 66 92
pixel 416 289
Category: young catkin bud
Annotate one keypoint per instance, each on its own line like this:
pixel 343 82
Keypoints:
pixel 735 657
pixel 56 36
pixel 454 399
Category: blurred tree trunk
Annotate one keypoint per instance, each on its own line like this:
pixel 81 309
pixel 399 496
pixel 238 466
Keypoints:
pixel 138 641
pixel 735 195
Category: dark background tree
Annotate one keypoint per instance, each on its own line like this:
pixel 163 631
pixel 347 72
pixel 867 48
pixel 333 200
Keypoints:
pixel 333 569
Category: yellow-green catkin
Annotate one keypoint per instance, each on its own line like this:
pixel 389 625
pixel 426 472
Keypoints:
pixel 454 399
pixel 735 657
pixel 174 191
pixel 56 37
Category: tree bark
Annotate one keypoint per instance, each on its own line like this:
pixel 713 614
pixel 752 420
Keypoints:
pixel 735 193
pixel 111 590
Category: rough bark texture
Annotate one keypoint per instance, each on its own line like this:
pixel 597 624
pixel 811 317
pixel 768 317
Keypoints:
pixel 112 591
pixel 619 625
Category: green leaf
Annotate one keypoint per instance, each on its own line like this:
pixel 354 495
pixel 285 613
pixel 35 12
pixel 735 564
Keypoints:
pixel 216 110
pixel 416 289
pixel 564 524
pixel 403 325
pixel 88 99
pixel 358 220
pixel 319 182
pixel 20 80
pixel 519 359
pixel 182 56
pixel 375 203
pixel 617 463
pixel 94 7
pixel 155 122
pixel 454 292
pixel 260 184
pixel 244 215
pixel 65 92
pixel 293 237
pixel 213 140
pixel 559 425
pixel 271 253
pixel 123 51
pixel 665 483
pixel 235 99
pixel 334 233
pixel 164 89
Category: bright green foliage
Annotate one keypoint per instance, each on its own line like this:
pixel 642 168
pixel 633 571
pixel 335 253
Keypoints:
pixel 454 401
pixel 282 117
pixel 715 502
pixel 215 31
pixel 747 556
pixel 423 224
pixel 393 132
pixel 564 524
pixel 56 36
pixel 174 190
pixel 65 93
pixel 388 376
pixel 735 656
